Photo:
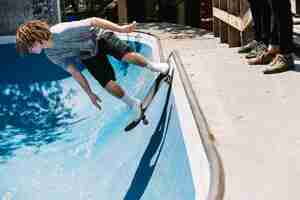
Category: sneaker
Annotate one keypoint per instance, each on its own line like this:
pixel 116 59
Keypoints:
pixel 263 59
pixel 159 67
pixel 163 68
pixel 258 50
pixel 248 47
pixel 281 63
pixel 273 61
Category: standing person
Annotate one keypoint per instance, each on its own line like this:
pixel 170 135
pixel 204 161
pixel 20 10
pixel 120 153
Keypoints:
pixel 279 53
pixel 261 24
pixel 68 43
pixel 282 24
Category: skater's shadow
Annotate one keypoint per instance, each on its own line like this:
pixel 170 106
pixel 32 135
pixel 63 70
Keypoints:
pixel 148 162
pixel 147 165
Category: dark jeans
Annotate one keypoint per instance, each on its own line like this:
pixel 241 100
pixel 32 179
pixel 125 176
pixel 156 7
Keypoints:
pixel 282 23
pixel 261 13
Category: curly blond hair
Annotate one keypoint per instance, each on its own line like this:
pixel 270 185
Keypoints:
pixel 29 33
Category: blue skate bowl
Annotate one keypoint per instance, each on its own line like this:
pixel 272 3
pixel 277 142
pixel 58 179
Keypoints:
pixel 54 144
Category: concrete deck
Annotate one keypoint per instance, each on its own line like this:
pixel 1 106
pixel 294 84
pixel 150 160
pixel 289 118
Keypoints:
pixel 254 117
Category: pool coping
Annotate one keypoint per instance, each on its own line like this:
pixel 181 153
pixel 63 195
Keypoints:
pixel 217 177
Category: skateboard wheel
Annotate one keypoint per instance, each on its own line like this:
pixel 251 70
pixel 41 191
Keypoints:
pixel 145 121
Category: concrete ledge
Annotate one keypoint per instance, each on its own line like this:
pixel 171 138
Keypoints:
pixel 217 177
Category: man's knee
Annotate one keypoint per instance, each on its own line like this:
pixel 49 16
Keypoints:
pixel 134 58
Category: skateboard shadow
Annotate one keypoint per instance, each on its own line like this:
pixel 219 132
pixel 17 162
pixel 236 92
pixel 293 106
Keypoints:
pixel 145 169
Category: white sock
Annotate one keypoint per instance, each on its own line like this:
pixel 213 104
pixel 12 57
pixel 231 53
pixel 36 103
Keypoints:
pixel 134 104
pixel 158 67
pixel 130 101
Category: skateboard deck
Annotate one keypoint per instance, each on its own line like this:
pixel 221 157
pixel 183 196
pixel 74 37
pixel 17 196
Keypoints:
pixel 148 99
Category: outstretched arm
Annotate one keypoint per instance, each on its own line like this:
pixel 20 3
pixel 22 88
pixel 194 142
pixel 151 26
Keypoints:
pixel 76 74
pixel 103 23
pixel 95 22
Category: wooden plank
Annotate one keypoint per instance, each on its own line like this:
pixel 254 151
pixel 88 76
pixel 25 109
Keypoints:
pixel 247 32
pixel 245 14
pixel 237 22
pixel 234 37
pixel 216 20
pixel 122 11
pixel 206 20
pixel 227 18
pixel 223 25
pixel 238 16
pixel 244 7
pixel 246 20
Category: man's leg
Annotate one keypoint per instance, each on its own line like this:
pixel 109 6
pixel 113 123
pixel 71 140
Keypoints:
pixel 134 58
pixel 114 89
pixel 282 17
pixel 140 60
pixel 101 69
pixel 265 20
pixel 110 44
pixel 269 35
pixel 282 13
pixel 255 7
pixel 261 17
pixel 255 13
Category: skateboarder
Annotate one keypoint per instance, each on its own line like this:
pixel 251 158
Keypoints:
pixel 87 41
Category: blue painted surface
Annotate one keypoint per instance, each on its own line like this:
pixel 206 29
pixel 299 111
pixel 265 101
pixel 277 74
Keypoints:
pixel 55 145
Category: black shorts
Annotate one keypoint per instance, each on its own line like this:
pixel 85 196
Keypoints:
pixel 99 65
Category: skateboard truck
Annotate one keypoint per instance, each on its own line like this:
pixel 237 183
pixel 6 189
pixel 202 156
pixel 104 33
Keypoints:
pixel 144 119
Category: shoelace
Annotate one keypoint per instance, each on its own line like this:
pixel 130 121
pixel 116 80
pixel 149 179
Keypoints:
pixel 261 50
pixel 281 59
pixel 273 61
pixel 261 46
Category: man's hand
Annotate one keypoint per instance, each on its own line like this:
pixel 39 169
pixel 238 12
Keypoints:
pixel 84 84
pixel 95 100
pixel 128 28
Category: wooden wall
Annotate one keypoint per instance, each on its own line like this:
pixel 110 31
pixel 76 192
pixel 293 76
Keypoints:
pixel 231 21
pixel 15 12
pixel 206 15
